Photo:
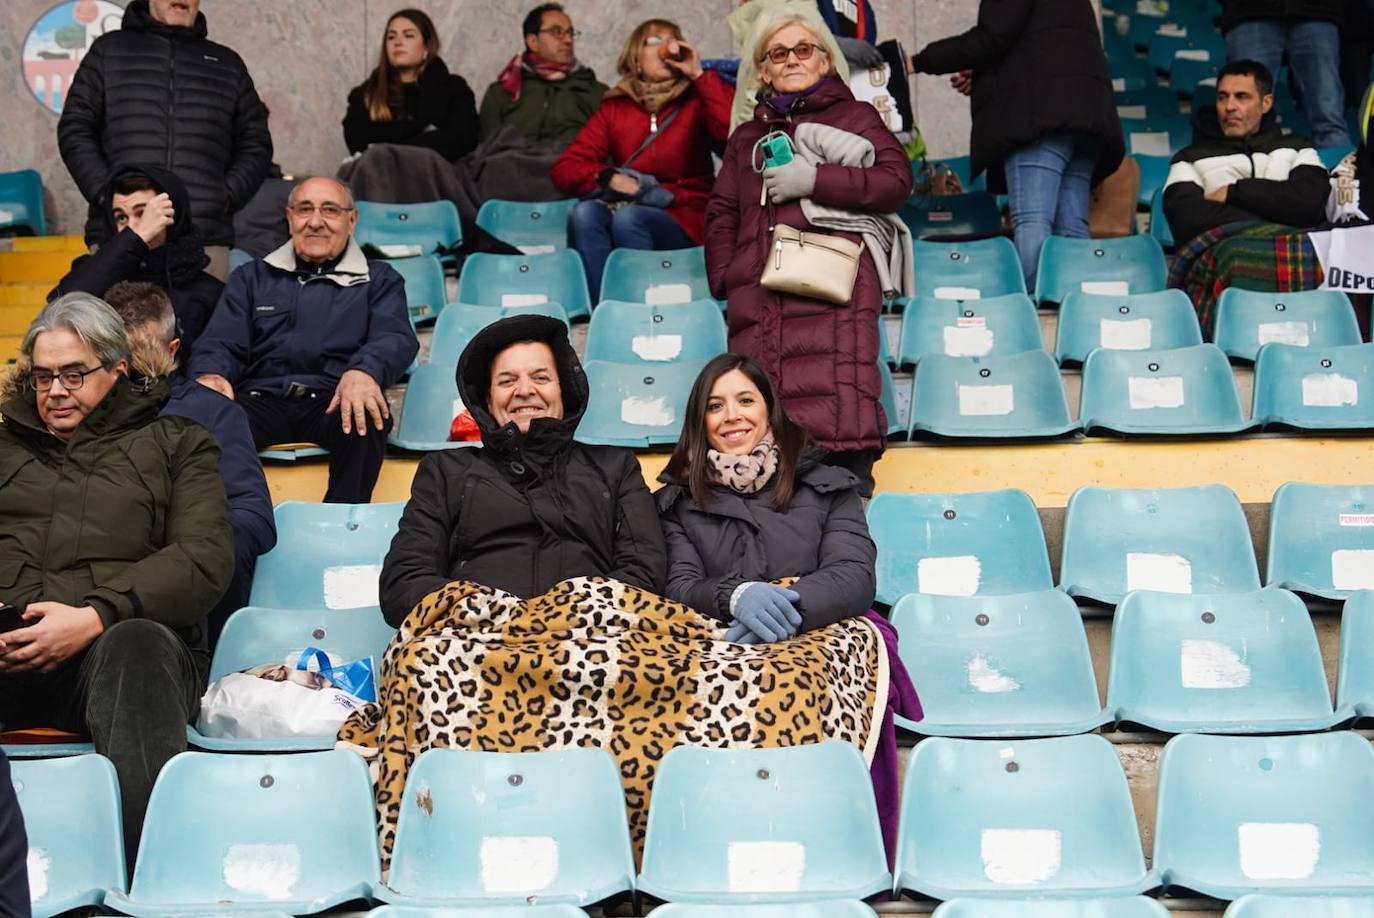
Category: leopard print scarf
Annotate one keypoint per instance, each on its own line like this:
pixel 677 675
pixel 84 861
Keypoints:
pixel 745 474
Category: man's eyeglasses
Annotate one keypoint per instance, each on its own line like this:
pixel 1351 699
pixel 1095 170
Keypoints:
pixel 778 54
pixel 328 211
pixel 559 33
pixel 71 380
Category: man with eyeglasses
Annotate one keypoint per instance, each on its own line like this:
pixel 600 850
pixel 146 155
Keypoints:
pixel 544 93
pixel 308 339
pixel 114 544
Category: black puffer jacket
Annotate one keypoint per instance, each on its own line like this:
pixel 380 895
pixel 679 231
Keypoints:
pixel 1234 12
pixel 439 112
pixel 524 511
pixel 153 93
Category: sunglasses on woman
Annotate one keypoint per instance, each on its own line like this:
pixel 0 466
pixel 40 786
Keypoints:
pixel 778 54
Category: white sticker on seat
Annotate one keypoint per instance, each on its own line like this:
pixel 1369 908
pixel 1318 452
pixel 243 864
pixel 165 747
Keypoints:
pixel 986 401
pixel 38 864
pixel 1212 665
pixel 351 586
pixel 518 863
pixel 266 871
pixel 1150 143
pixel 958 575
pixel 1131 111
pixel 1278 850
pixel 967 342
pixel 957 293
pixel 1329 390
pixel 458 407
pixel 1126 334
pixel 1192 54
pixel 397 250
pixel 1284 333
pixel 765 866
pixel 1155 392
pixel 656 347
pixel 1106 288
pixel 1020 857
pixel 1164 573
pixel 524 299
pixel 667 294
pixel 6 216
pixel 537 249
pixel 987 679
pixel 1356 519
pixel 1352 569
pixel 651 411
pixel 1118 85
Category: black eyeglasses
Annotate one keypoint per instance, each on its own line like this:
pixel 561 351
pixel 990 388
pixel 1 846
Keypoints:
pixel 559 33
pixel 71 380
pixel 804 49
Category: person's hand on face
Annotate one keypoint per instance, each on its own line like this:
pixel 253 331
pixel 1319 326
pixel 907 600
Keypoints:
pixel 68 379
pixel 148 213
pixel 357 398
pixel 524 385
pixel 55 633
pixel 321 217
pixel 794 60
pixel 665 56
pixel 736 415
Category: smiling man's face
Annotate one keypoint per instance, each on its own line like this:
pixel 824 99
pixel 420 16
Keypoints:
pixel 524 385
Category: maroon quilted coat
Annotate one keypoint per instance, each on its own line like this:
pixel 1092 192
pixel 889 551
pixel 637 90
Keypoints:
pixel 823 358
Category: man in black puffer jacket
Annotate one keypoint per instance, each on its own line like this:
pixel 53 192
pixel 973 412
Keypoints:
pixel 157 91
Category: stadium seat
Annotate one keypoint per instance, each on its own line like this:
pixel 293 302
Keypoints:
pixel 897 420
pixel 1139 322
pixel 21 203
pixel 294 834
pixel 972 270
pixel 76 840
pixel 1183 391
pixel 1355 675
pixel 1159 224
pixel 238 258
pixel 1186 75
pixel 253 636
pixel 1129 73
pixel 1115 907
pixel 526 280
pixel 636 405
pixel 328 556
pixel 972 328
pixel 1164 50
pixel 43 743
pixel 639 333
pixel 1238 815
pixel 1171 540
pixel 501 828
pixel 793 824
pixel 534 227
pixel 1149 103
pixel 961 166
pixel 1332 156
pixel 292 452
pixel 1227 663
pixel 424 280
pixel 433 227
pixel 659 278
pixel 459 322
pixel 1154 175
pixel 1247 320
pixel 1131 264
pixel 491 911
pixel 1316 906
pixel 998 665
pixel 431 404
pixel 1158 135
pixel 1044 817
pixel 834 908
pixel 1315 388
pixel 972 215
pixel 1321 539
pixel 986 543
pixel 1012 396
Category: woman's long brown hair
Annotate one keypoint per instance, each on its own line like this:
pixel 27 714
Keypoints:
pixel 383 89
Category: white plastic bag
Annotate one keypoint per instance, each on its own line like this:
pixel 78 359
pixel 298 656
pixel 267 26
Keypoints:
pixel 288 702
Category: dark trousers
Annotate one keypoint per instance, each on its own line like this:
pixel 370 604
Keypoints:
pixel 132 692
pixel 354 461
pixel 860 462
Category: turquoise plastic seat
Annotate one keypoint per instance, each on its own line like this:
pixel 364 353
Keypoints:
pixel 328 556
pixel 1046 817
pixel 526 280
pixel 1321 539
pixel 973 270
pixel 21 203
pixel 1129 73
pixel 1139 322
pixel 794 824
pixel 46 750
pixel 1131 264
pixel 1148 103
pixel 502 828
pixel 834 908
pixel 431 404
pixel 659 278
pixel 1185 75
pixel 1355 675
pixel 238 258
pixel 1170 540
pixel 459 322
pixel 639 333
pixel 1315 388
pixel 1009 396
pixel 1183 391
pixel 1157 136
pixel 235 833
pixel 295 454
pixel 1248 814
pixel 1159 224
pixel 1331 156
pixel 998 665
pixel 1164 50
pixel 962 166
pixel 1115 907
pixel 254 635
pixel 424 280
pixel 636 405
pixel 986 543
pixel 534 227
pixel 432 225
pixel 1154 175
pixel 972 328
pixel 76 840
pixel 897 420
pixel 1226 663
pixel 491 911
pixel 1316 906
pixel 1248 319
pixel 972 215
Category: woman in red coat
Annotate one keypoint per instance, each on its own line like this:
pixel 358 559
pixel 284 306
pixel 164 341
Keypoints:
pixel 645 153
pixel 822 357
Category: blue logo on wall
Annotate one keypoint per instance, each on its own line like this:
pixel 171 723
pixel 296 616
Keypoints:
pixel 57 43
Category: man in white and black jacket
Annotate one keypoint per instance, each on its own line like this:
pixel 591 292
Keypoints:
pixel 1246 168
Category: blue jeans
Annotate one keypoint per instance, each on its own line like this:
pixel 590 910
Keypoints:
pixel 594 229
pixel 1048 184
pixel 1314 53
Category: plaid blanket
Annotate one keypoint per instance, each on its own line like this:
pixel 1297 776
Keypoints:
pixel 1250 256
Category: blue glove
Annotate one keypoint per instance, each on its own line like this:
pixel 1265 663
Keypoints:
pixel 764 612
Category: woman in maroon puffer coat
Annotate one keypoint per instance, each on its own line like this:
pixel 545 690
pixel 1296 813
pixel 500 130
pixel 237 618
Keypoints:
pixel 822 357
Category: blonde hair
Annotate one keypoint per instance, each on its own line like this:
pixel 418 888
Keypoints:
pixel 628 62
pixel 761 47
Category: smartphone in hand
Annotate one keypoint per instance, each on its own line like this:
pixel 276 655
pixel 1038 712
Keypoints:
pixel 10 618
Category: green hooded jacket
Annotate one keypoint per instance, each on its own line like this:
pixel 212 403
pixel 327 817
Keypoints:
pixel 548 113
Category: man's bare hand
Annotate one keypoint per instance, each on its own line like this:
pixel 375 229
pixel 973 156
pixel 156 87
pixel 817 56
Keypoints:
pixel 962 81
pixel 623 184
pixel 1218 194
pixel 357 398
pixel 218 383
pixel 56 633
pixel 157 215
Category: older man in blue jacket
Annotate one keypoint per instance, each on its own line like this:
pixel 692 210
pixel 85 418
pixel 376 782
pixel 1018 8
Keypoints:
pixel 308 339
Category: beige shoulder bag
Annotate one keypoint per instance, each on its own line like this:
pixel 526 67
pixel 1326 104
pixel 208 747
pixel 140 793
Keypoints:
pixel 814 265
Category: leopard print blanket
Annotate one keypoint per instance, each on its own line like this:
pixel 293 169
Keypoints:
pixel 595 662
